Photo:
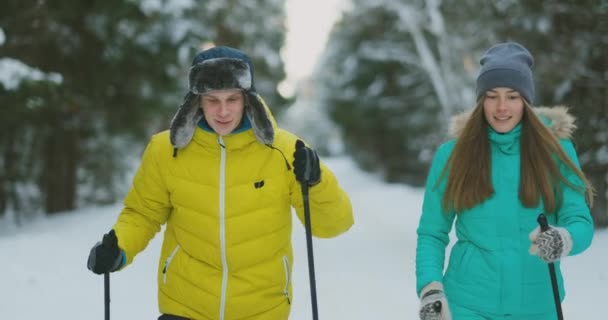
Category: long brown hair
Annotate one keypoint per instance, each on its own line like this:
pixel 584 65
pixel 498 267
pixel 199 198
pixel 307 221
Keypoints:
pixel 470 170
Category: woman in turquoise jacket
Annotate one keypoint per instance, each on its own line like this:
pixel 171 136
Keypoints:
pixel 507 163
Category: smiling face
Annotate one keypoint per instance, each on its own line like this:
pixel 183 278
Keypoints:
pixel 503 108
pixel 223 110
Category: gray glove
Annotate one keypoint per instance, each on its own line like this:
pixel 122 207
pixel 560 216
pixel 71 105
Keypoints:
pixel 552 244
pixel 433 303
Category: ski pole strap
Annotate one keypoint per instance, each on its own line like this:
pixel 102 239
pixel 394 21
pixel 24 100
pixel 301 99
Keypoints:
pixel 542 221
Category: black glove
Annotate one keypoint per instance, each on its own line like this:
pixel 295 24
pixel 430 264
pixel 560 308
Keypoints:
pixel 306 164
pixel 105 256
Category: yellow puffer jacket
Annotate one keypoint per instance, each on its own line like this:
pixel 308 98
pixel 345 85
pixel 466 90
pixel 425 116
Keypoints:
pixel 227 250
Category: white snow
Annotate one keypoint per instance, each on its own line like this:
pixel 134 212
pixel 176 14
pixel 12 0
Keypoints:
pixel 174 7
pixel 367 273
pixel 415 26
pixel 15 71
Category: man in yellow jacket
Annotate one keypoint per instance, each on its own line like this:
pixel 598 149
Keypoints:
pixel 223 178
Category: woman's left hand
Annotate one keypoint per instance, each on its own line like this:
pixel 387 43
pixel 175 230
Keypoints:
pixel 552 244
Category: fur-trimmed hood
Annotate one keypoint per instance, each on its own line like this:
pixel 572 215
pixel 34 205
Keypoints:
pixel 559 121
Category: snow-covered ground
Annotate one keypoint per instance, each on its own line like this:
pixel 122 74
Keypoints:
pixel 367 273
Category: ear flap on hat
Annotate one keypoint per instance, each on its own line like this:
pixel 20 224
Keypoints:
pixel 185 121
pixel 260 121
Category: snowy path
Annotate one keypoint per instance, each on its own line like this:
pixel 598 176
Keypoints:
pixel 367 273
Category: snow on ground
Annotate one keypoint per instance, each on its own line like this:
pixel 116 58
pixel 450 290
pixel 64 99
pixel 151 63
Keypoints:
pixel 367 273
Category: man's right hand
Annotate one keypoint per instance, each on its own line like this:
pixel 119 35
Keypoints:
pixel 106 256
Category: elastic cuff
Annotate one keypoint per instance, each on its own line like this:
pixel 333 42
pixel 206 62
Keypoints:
pixel 567 239
pixel 123 261
pixel 435 285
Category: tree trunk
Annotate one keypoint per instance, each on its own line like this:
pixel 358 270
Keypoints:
pixel 9 175
pixel 598 177
pixel 60 166
pixel 3 195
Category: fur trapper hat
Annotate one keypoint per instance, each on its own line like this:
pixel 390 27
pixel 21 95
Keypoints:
pixel 220 68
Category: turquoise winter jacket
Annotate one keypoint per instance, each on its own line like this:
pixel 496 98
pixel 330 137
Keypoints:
pixel 490 269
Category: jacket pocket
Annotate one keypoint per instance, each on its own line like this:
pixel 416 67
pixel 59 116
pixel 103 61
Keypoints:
pixel 168 263
pixel 287 278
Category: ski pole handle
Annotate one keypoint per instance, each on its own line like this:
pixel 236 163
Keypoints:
pixel 437 306
pixel 308 164
pixel 542 221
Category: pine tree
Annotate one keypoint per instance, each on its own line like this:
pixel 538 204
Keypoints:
pixel 256 27
pixel 109 73
pixel 568 41
pixel 385 84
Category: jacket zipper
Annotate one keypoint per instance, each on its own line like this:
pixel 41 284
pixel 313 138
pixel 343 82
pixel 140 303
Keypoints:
pixel 287 278
pixel 222 208
pixel 168 262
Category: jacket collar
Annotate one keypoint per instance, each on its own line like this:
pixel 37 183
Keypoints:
pixel 556 118
pixel 233 141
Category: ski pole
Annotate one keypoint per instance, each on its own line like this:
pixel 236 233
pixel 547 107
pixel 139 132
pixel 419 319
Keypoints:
pixel 307 225
pixel 311 262
pixel 106 290
pixel 544 226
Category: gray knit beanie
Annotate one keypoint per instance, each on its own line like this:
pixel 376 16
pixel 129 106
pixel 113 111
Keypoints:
pixel 507 65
